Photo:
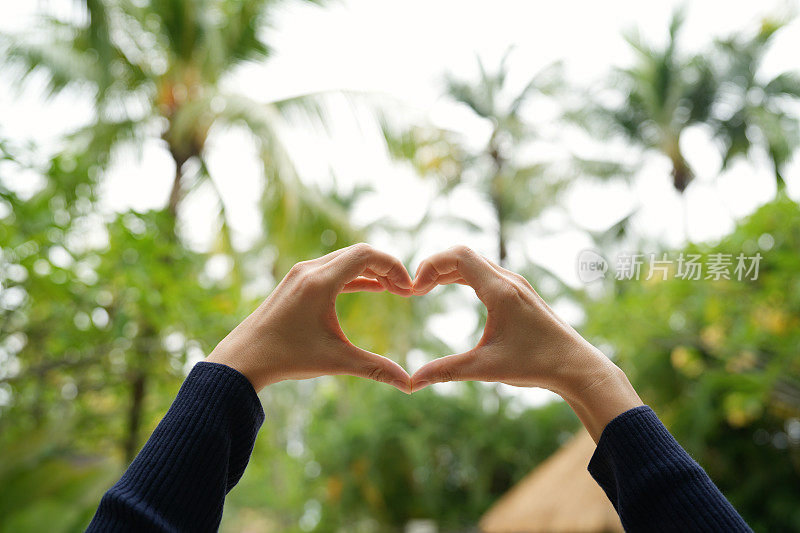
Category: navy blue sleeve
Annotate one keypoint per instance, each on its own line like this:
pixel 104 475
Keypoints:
pixel 195 456
pixel 653 483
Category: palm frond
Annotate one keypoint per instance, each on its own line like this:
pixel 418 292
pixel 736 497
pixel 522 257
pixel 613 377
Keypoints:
pixel 785 84
pixel 464 93
pixel 602 169
pixel 225 240
pixel 61 63
pixel 547 82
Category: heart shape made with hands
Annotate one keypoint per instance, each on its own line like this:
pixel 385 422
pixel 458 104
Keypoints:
pixel 498 288
pixel 295 333
pixel 429 274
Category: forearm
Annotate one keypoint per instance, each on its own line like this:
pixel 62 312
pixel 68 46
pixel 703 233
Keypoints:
pixel 196 455
pixel 653 483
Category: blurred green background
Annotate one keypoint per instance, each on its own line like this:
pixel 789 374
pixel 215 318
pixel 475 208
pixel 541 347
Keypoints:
pixel 104 310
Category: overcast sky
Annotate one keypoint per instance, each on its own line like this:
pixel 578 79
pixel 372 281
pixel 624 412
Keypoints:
pixel 401 50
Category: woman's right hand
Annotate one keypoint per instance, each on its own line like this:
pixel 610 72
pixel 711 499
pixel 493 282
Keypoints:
pixel 524 342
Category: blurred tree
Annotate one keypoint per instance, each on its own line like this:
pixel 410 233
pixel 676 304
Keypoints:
pixel 755 112
pixel 79 322
pixel 661 95
pixel 516 191
pixel 84 322
pixel 375 460
pixel 717 359
pixel 156 68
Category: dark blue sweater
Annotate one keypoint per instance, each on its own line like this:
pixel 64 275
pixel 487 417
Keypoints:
pixel 199 451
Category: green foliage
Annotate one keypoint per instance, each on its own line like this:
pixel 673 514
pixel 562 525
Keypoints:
pixel 66 485
pixel 759 113
pixel 101 315
pixel 667 90
pixel 718 361
pixel 374 459
pixel 388 458
pixel 155 70
pixel 99 320
pixel 663 93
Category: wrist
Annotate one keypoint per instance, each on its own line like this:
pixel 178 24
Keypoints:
pixel 244 359
pixel 599 393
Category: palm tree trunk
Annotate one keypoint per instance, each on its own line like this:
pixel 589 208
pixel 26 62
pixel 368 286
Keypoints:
pixel 500 216
pixel 780 182
pixel 176 193
pixel 498 204
pixel 502 251
pixel 681 174
pixel 138 389
pixel 139 379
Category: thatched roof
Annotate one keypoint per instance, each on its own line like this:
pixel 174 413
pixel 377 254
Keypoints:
pixel 558 496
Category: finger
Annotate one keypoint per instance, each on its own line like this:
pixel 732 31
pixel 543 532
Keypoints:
pixel 368 365
pixel 465 366
pixel 388 284
pixel 471 267
pixel 362 284
pixel 329 256
pixel 360 258
pixel 509 273
pixel 452 277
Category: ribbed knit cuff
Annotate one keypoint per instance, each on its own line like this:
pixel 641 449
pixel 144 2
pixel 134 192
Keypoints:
pixel 653 482
pixel 616 440
pixel 227 398
pixel 198 452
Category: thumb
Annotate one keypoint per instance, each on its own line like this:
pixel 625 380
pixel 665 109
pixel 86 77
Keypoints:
pixel 369 365
pixel 459 367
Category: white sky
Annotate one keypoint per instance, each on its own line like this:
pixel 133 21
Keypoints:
pixel 401 50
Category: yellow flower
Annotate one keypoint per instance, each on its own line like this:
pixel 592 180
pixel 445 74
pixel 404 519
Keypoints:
pixel 771 319
pixel 687 361
pixel 742 362
pixel 712 337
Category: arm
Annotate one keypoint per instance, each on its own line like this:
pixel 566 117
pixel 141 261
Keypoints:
pixel 650 479
pixel 198 452
pixel 653 483
pixel 200 449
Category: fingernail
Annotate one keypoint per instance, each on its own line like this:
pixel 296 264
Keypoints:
pixel 402 385
pixel 419 385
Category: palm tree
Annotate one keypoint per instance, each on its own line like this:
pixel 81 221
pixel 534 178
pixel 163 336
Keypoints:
pixel 663 94
pixel 156 68
pixel 754 113
pixel 517 191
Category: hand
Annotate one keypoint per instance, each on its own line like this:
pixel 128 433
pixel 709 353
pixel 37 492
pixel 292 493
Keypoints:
pixel 524 342
pixel 295 334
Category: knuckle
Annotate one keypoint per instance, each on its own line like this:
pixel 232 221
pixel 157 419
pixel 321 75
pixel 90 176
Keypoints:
pixel 361 249
pixel 524 281
pixel 309 279
pixel 447 374
pixel 298 268
pixel 508 291
pixel 376 373
pixel 519 277
pixel 461 250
